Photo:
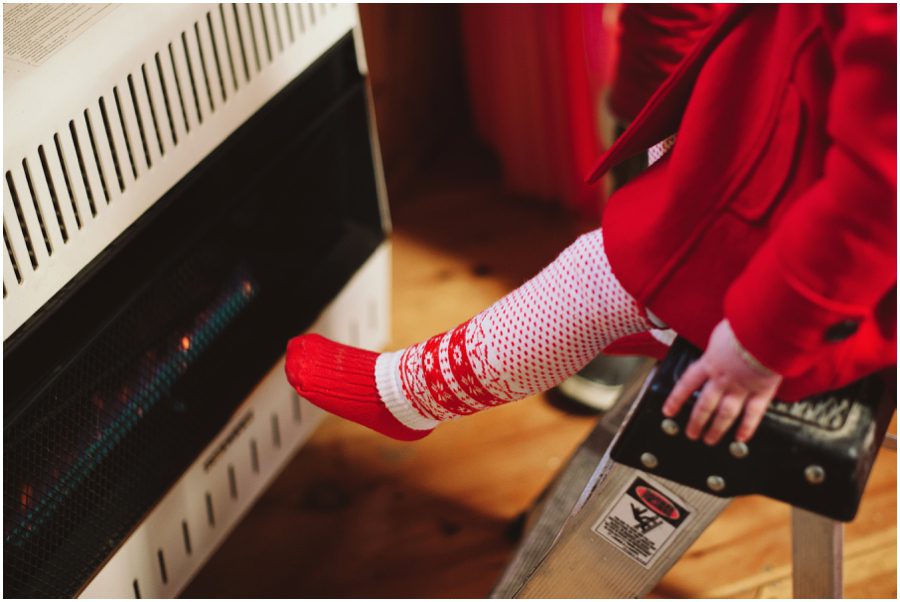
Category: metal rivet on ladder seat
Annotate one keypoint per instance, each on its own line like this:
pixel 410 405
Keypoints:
pixel 738 449
pixel 649 460
pixel 715 482
pixel 669 427
pixel 814 474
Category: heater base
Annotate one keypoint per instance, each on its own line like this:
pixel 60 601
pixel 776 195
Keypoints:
pixel 171 544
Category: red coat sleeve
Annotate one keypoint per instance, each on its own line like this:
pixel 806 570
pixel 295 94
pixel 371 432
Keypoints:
pixel 652 40
pixel 833 256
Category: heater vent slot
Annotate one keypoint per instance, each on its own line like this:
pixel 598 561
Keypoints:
pixel 265 29
pixel 126 134
pixel 251 28
pixel 210 515
pixel 186 534
pixel 163 574
pixel 61 169
pixel 10 259
pixel 56 195
pixel 153 101
pixel 20 219
pixel 112 145
pixel 191 78
pixel 53 197
pixel 93 143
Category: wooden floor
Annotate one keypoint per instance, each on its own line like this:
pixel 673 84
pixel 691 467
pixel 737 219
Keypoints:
pixel 359 515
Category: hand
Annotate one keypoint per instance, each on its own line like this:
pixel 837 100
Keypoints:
pixel 734 384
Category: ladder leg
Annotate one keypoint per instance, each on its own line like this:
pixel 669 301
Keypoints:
pixel 552 513
pixel 818 544
pixel 626 530
pixel 549 516
pixel 628 533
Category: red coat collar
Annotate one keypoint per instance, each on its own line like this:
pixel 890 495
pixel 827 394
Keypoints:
pixel 661 115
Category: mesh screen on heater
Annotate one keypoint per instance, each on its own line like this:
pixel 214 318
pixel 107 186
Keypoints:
pixel 84 465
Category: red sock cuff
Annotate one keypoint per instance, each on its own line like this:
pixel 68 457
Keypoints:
pixel 319 367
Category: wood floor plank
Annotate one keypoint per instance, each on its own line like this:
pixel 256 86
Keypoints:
pixel 866 560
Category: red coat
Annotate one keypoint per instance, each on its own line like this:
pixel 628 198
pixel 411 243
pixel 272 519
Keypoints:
pixel 777 206
pixel 652 40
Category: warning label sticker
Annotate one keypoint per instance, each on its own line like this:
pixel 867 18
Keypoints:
pixel 642 521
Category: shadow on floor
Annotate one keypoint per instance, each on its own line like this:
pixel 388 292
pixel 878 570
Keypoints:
pixel 328 527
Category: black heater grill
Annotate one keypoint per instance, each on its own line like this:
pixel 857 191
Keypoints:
pixel 116 386
pixel 114 428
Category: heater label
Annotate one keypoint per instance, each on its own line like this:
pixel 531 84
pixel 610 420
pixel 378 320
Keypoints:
pixel 34 32
pixel 642 521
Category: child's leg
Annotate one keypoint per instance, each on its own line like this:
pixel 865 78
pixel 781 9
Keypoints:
pixel 527 342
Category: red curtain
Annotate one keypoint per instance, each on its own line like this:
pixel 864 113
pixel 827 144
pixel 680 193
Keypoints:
pixel 536 74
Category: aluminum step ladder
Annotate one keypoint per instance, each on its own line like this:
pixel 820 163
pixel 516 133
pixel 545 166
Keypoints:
pixel 637 493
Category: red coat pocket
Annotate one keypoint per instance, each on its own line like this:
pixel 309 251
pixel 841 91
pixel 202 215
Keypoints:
pixel 768 173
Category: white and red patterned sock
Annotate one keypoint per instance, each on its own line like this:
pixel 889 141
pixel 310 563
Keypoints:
pixel 527 342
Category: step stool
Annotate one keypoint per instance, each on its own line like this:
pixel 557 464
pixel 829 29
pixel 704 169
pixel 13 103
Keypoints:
pixel 637 493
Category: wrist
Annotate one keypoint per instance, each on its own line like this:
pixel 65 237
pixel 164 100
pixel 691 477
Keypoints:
pixel 745 355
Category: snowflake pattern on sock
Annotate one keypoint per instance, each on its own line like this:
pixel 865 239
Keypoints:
pixel 659 150
pixel 532 339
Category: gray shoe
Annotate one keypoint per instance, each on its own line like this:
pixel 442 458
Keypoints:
pixel 598 384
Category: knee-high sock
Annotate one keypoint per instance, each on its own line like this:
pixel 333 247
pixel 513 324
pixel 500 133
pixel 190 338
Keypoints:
pixel 530 340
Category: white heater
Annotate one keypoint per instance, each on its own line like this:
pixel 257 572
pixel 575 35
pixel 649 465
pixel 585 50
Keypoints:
pixel 185 188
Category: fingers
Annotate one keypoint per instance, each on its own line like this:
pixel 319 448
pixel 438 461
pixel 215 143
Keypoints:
pixel 753 415
pixel 704 408
pixel 729 409
pixel 722 400
pixel 689 382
